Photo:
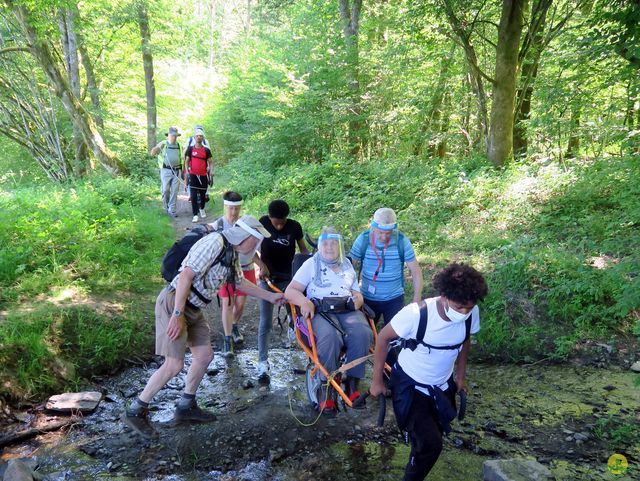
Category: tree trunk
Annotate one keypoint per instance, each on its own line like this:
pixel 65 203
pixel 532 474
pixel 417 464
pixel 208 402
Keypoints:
pixel 147 61
pixel 72 66
pixel 573 146
pixel 79 115
pixel 475 73
pixel 500 142
pixel 530 54
pixel 350 16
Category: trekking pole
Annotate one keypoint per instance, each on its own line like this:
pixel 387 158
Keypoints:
pixel 463 404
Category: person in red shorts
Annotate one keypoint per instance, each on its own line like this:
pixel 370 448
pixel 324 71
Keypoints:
pixel 233 300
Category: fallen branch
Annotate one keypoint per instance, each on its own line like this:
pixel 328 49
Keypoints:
pixel 31 432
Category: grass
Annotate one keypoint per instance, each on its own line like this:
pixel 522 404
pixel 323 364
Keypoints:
pixel 557 243
pixel 79 268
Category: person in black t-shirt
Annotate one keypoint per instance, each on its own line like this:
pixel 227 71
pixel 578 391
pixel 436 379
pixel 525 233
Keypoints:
pixel 277 254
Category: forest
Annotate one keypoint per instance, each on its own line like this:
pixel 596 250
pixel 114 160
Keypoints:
pixel 504 134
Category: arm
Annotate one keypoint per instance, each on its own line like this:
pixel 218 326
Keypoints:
pixel 379 357
pixel 416 277
pixel 358 300
pixel 302 247
pixel 187 162
pixel 255 291
pixel 295 294
pixel 461 366
pixel 264 270
pixel 178 323
pixel 156 149
pixel 209 161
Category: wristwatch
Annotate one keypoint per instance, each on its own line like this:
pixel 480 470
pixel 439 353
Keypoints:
pixel 177 312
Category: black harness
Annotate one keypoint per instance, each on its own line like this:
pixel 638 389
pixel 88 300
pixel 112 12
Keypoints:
pixel 412 344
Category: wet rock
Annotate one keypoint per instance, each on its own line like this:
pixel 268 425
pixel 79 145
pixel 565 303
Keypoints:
pixel 21 470
pixel 581 436
pixel 129 393
pixel 635 367
pixel 515 470
pixel 73 402
pixel 213 372
pixel 247 384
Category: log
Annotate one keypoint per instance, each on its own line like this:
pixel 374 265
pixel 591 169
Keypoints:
pixel 14 437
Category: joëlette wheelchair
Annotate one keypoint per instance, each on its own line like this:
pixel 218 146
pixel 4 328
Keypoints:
pixel 307 341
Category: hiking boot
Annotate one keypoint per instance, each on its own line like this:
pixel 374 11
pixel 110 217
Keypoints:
pixel 227 347
pixel 195 219
pixel 202 214
pixel 138 421
pixel 193 414
pixel 326 405
pixel 238 338
pixel 263 372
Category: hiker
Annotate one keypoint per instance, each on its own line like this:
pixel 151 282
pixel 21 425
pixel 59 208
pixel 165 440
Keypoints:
pixel 332 302
pixel 198 166
pixel 436 335
pixel 276 254
pixel 233 299
pixel 170 165
pixel 380 254
pixel 190 142
pixel 180 323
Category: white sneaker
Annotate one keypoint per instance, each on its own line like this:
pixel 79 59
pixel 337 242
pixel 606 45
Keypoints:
pixel 263 370
pixel 202 214
pixel 195 218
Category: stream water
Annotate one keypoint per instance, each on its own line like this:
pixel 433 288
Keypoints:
pixel 569 418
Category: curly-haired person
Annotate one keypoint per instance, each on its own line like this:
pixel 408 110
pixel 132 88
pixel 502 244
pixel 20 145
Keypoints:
pixel 436 333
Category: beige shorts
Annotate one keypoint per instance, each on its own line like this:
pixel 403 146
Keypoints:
pixel 196 334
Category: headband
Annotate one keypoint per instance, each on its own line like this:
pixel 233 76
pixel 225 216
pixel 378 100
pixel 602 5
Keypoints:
pixel 328 236
pixel 384 226
pixel 250 230
pixel 232 202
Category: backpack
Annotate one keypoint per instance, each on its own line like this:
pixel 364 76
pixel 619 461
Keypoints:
pixel 172 260
pixel 363 250
pixel 412 344
pixel 162 157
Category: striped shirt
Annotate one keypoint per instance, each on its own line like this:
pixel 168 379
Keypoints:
pixel 208 276
pixel 390 281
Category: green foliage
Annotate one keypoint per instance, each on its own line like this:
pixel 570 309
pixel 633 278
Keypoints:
pixel 56 237
pixel 558 245
pixel 78 267
pixel 618 432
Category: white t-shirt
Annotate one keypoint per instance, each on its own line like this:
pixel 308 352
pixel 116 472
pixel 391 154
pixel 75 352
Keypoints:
pixel 340 284
pixel 435 366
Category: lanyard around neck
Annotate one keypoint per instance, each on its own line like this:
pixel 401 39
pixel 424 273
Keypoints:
pixel 378 256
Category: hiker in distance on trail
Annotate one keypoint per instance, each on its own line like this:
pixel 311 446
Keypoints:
pixel 209 263
pixel 170 165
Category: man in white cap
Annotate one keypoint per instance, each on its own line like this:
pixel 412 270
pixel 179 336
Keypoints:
pixel 170 165
pixel 180 323
pixel 381 253
pixel 198 164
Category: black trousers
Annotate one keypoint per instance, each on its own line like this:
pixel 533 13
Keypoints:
pixel 425 436
pixel 198 185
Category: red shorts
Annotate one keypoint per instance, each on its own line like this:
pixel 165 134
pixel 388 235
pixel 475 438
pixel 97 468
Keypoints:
pixel 227 289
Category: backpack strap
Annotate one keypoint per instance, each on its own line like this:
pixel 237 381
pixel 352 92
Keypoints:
pixel 363 251
pixel 412 344
pixel 424 318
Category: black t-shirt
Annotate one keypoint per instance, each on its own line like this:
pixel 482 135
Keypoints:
pixel 278 250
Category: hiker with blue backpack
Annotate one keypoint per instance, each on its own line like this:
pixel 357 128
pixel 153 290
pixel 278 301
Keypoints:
pixel 170 165
pixel 431 367
pixel 380 254
pixel 196 275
